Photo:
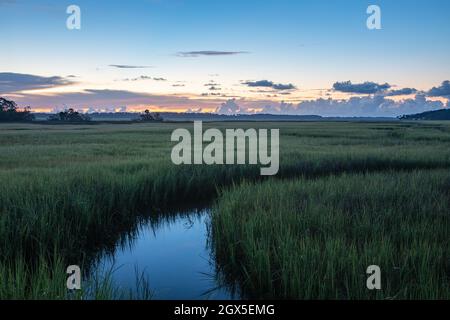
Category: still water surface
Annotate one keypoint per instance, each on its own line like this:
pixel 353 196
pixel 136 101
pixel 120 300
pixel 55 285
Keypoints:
pixel 173 254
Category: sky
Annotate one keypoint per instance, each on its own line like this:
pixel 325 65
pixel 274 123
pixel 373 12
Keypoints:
pixel 267 56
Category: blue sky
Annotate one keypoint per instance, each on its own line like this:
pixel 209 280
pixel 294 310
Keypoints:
pixel 211 55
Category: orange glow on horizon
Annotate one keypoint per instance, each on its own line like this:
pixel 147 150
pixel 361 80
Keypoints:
pixel 132 109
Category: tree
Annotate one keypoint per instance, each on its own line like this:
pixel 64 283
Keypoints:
pixel 10 113
pixel 69 115
pixel 148 116
pixel 7 105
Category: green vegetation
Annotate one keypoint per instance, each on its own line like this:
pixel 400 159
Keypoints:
pixel 68 191
pixel 314 239
pixel 46 281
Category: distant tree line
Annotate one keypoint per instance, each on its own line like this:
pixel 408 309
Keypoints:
pixel 148 116
pixel 443 114
pixel 10 113
pixel 70 115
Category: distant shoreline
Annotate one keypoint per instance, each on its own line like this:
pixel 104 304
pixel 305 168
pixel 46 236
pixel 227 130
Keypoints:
pixel 126 117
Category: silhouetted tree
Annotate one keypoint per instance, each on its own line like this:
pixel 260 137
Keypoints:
pixel 148 116
pixel 69 115
pixel 9 112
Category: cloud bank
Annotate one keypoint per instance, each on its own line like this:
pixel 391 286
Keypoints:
pixel 14 82
pixel 110 99
pixel 370 106
pixel 230 107
pixel 442 91
pixel 374 102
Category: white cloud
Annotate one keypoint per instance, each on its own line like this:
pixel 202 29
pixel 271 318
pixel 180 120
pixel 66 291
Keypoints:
pixel 230 107
pixel 369 106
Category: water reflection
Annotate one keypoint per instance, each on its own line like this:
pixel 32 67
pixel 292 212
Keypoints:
pixel 172 252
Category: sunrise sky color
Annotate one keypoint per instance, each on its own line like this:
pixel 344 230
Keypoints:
pixel 282 57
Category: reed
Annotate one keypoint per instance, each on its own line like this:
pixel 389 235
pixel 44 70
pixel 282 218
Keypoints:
pixel 70 190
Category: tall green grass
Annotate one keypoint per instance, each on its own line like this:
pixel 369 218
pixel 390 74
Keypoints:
pixel 69 191
pixel 46 281
pixel 314 239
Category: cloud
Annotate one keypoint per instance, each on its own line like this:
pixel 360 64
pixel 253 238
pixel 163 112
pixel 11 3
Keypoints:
pixel 212 94
pixel 15 82
pixel 229 107
pixel 194 110
pixel 194 54
pixel 361 88
pixel 359 106
pixel 369 106
pixel 442 91
pixel 269 84
pixel 280 108
pixel 283 86
pixel 107 99
pixel 400 92
pixel 142 78
pixel 125 66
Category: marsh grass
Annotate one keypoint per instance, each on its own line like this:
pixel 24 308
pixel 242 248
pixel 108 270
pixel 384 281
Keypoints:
pixel 47 281
pixel 314 239
pixel 67 192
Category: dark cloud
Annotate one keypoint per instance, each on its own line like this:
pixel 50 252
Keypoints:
pixel 212 94
pixel 193 54
pixel 260 83
pixel 159 79
pixel 283 86
pixel 442 91
pixel 125 66
pixel 269 84
pixel 361 88
pixel 14 82
pixel 400 92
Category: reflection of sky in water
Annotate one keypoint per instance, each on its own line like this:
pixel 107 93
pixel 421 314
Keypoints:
pixel 174 257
